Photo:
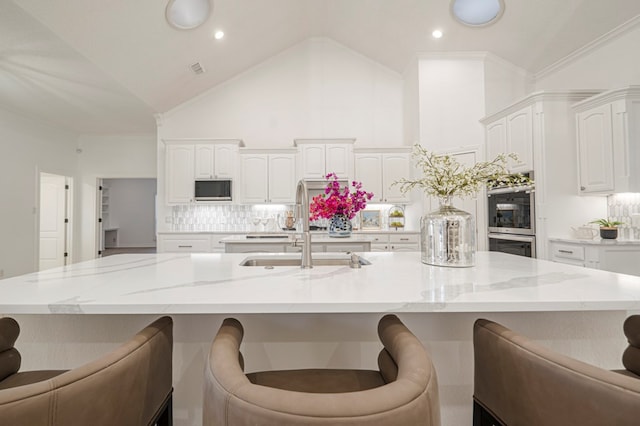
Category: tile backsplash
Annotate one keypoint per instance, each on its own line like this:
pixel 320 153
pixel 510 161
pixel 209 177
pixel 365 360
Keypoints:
pixel 625 208
pixel 227 218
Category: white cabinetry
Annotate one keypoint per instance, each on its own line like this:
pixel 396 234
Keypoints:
pixel 179 173
pixel 377 170
pixel 608 148
pixel 614 257
pixel 188 160
pixel 541 127
pixel 318 157
pixel 268 177
pixel 184 243
pixel 215 161
pixel 512 133
pixel 400 241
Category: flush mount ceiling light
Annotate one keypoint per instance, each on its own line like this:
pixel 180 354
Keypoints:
pixel 477 13
pixel 187 14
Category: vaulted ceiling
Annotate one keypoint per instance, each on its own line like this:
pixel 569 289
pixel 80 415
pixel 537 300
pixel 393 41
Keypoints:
pixel 107 66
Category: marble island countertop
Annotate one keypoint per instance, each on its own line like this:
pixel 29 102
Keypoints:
pixel 596 241
pixel 394 282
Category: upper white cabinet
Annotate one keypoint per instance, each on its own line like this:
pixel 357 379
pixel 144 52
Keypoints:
pixel 268 176
pixel 512 133
pixel 608 128
pixel 541 129
pixel 318 157
pixel 188 160
pixel 214 161
pixel 179 173
pixel 377 169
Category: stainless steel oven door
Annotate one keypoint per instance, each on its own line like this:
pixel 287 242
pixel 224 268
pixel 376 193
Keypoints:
pixel 511 211
pixel 521 245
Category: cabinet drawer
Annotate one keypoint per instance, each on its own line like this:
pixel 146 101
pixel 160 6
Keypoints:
pixel 567 251
pixel 404 238
pixel 187 245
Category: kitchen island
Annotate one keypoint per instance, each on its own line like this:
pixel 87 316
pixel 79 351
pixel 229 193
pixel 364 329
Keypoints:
pixel 323 317
pixel 284 242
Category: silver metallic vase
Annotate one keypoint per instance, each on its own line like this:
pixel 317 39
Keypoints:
pixel 448 236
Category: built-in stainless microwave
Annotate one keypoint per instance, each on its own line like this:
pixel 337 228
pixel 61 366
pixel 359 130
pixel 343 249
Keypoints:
pixel 213 190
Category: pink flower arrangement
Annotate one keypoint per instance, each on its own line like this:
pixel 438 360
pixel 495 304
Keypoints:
pixel 338 200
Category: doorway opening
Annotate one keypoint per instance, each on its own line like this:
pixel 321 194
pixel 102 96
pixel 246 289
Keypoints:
pixel 126 215
pixel 55 221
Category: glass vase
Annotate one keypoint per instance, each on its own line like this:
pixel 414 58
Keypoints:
pixel 340 226
pixel 448 236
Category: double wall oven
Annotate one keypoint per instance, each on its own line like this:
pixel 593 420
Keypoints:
pixel 511 220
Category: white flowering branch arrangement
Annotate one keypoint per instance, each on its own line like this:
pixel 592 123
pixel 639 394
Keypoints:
pixel 444 177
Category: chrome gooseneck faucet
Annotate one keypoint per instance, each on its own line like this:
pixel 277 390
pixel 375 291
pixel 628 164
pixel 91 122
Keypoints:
pixel 302 203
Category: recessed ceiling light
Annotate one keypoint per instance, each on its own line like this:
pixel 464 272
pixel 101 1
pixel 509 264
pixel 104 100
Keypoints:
pixel 436 34
pixel 218 35
pixel 187 14
pixel 477 13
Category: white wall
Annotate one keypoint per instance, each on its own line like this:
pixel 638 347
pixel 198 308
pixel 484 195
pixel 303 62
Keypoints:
pixel 451 101
pixel 111 156
pixel 612 64
pixel 316 89
pixel 504 83
pixel 27 147
pixel 132 210
pixel 411 98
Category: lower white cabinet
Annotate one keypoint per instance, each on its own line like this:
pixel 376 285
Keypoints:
pixel 614 257
pixel 184 243
pixel 191 242
pixel 401 241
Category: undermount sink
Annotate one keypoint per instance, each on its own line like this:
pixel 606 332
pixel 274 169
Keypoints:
pixel 271 261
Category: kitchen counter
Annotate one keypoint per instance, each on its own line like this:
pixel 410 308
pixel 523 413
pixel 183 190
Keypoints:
pixel 320 237
pixel 394 282
pixel 324 317
pixel 283 242
pixel 597 241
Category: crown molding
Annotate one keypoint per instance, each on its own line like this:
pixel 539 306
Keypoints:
pixel 589 47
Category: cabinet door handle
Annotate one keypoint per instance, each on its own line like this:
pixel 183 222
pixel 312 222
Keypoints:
pixel 404 239
pixel 566 251
pixel 582 188
pixel 185 246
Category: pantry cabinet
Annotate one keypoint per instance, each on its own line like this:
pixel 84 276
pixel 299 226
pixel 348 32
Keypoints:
pixel 378 170
pixel 187 160
pixel 268 177
pixel 608 132
pixel 318 157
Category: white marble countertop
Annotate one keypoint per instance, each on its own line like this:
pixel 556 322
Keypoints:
pixel 322 238
pixel 597 241
pixel 394 282
pixel 356 232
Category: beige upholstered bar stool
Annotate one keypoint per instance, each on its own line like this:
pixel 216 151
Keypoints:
pixel 403 392
pixel 130 386
pixel 518 382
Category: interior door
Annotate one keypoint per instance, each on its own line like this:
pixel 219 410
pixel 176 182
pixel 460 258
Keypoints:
pixel 52 221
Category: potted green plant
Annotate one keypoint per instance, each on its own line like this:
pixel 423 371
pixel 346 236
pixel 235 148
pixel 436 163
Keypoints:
pixel 608 228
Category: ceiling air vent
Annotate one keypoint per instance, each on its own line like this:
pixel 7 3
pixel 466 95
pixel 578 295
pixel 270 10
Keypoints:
pixel 197 68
